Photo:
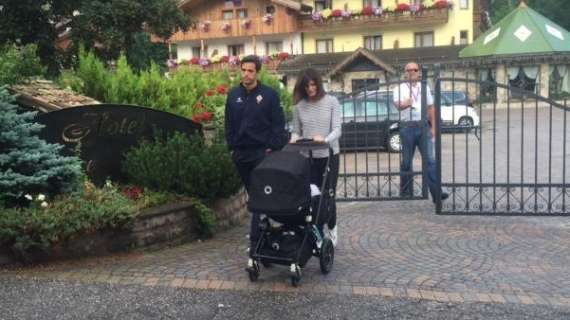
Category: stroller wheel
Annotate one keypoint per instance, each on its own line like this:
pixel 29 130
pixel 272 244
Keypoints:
pixel 326 259
pixel 295 278
pixel 253 271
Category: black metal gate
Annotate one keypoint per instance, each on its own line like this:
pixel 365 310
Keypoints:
pixel 503 155
pixel 370 148
pixel 512 160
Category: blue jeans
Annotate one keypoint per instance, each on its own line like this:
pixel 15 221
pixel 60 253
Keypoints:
pixel 411 136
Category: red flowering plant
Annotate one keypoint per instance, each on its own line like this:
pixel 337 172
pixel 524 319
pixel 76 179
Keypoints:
pixel 195 60
pixel 442 4
pixel 336 13
pixel 132 192
pixel 283 56
pixel 402 7
pixel 367 11
pixel 224 59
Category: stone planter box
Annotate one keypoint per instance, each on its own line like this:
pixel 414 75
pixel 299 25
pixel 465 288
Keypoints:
pixel 153 228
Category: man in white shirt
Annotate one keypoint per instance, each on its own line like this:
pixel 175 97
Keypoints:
pixel 408 99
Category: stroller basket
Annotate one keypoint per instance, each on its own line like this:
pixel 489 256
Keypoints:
pixel 280 184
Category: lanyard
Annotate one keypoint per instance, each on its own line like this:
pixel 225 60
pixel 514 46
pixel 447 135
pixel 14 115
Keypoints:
pixel 414 95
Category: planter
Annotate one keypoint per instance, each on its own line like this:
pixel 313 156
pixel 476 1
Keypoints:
pixel 153 229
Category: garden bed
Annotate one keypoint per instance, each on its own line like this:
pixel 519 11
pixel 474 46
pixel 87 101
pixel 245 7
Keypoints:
pixel 153 228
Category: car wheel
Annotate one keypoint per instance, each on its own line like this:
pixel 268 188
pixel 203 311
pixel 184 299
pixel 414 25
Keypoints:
pixel 465 122
pixel 394 144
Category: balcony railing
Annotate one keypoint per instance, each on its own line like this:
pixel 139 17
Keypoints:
pixel 236 28
pixel 428 17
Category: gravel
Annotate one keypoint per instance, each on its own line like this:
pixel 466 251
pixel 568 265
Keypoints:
pixel 43 299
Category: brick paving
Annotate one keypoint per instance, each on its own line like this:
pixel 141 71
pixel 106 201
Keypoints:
pixel 386 249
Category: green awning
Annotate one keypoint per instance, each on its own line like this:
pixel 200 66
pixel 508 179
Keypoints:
pixel 523 31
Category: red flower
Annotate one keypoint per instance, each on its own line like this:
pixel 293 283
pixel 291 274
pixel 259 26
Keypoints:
pixel 337 13
pixel 367 11
pixel 224 59
pixel 133 192
pixel 283 56
pixel 221 89
pixel 207 116
pixel 402 7
pixel 197 118
pixel 441 4
pixel 195 60
pixel 210 92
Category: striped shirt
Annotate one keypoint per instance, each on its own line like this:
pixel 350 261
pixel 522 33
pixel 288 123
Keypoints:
pixel 314 118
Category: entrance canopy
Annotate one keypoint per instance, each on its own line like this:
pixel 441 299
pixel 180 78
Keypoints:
pixel 523 31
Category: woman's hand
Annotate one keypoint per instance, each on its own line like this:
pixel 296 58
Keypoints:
pixel 318 138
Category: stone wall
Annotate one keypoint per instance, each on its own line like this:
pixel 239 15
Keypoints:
pixel 153 228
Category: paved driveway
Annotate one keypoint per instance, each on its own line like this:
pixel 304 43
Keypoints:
pixel 386 249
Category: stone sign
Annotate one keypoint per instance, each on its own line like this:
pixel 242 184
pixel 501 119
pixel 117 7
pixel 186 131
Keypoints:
pixel 107 131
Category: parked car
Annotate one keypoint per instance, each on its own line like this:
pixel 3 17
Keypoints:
pixel 372 121
pixel 457 116
pixel 456 97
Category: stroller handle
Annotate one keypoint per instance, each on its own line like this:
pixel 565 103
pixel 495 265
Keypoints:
pixel 306 145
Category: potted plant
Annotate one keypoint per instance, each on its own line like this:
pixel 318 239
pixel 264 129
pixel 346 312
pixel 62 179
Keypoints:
pixel 226 27
pixel 205 25
pixel 246 23
pixel 267 18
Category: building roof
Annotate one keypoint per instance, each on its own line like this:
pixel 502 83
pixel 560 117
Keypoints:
pixel 523 31
pixel 361 53
pixel 328 62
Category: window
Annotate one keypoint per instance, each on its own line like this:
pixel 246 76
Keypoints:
pixel 423 39
pixel 270 9
pixel 373 42
pixel 241 13
pixel 235 50
pixel 196 52
pixel 463 37
pixel 273 47
pixel 372 3
pixel 371 84
pixel 227 14
pixel 463 4
pixel 325 46
pixel 321 5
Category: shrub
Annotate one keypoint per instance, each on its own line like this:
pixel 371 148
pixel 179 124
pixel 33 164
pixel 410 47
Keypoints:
pixel 183 165
pixel 65 216
pixel 27 163
pixel 18 64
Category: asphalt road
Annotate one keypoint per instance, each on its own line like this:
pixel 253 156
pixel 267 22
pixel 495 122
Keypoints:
pixel 30 299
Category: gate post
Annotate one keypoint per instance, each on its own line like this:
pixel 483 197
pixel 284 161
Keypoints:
pixel 437 124
pixel 425 130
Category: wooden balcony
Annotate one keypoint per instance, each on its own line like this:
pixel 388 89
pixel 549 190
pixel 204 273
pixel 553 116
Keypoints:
pixel 426 18
pixel 279 25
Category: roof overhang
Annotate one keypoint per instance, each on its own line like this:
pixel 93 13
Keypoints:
pixel 360 52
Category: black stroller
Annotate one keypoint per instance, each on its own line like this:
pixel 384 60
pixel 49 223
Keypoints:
pixel 280 189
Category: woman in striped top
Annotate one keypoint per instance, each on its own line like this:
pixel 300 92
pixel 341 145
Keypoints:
pixel 316 116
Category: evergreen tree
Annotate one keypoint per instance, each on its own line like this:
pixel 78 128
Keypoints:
pixel 29 165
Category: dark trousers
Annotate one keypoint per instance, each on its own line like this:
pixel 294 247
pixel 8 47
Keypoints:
pixel 411 137
pixel 245 161
pixel 318 167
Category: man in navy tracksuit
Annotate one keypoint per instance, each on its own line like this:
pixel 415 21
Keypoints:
pixel 255 126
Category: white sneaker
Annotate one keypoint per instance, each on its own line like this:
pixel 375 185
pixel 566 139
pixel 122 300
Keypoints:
pixel 333 234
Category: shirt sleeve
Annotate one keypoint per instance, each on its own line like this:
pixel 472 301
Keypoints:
pixel 296 124
pixel 278 136
pixel 400 91
pixel 336 125
pixel 229 129
pixel 429 96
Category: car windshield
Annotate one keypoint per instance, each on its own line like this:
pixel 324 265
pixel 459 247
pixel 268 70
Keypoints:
pixel 370 107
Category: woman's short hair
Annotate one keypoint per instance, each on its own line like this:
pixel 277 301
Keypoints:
pixel 303 80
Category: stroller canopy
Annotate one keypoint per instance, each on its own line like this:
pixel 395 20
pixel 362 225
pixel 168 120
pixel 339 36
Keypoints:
pixel 280 184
